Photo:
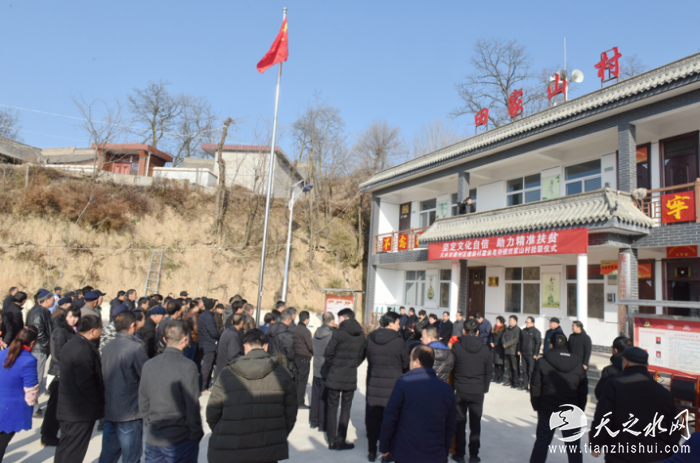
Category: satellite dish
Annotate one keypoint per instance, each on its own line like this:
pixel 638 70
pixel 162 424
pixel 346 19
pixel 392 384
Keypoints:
pixel 576 76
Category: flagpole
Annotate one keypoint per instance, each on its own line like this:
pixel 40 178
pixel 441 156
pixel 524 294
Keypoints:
pixel 270 177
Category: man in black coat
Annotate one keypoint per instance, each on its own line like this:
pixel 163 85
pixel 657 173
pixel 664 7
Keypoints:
pixel 472 378
pixel 345 352
pixel 615 368
pixel 303 353
pixel 12 319
pixel 403 321
pixel 485 328
pixel 230 346
pixel 281 340
pixel 387 361
pixel 553 328
pixel 319 393
pixel 40 317
pixel 207 335
pixel 9 299
pixel 116 302
pixel 410 323
pixel 558 380
pixel 458 325
pixel 634 397
pixel 445 328
pixel 529 350
pixel 580 343
pixel 510 341
pixel 81 395
pixel 148 332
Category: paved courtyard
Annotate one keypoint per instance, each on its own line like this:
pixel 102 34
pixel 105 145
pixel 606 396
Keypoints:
pixel 508 433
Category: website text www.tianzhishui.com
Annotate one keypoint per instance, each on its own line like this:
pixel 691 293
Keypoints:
pixel 624 449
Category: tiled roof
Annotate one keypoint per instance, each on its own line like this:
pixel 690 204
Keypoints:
pixel 598 207
pixel 624 89
pixel 19 151
pixel 198 163
pixel 213 146
pixel 69 158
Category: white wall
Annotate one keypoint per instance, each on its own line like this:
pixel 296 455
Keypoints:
pixel 388 218
pixel 195 176
pixel 491 196
pixel 388 288
pixel 608 164
pixel 495 296
pixel 249 170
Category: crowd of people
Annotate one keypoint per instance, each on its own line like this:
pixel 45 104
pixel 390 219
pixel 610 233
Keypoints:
pixel 140 371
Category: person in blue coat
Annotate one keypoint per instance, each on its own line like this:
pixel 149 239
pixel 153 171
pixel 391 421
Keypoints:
pixel 421 416
pixel 19 386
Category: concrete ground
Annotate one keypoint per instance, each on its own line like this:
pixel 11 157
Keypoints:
pixel 507 434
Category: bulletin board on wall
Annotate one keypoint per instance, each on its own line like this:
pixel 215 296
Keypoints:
pixel 673 343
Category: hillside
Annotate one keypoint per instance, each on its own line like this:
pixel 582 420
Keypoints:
pixel 117 227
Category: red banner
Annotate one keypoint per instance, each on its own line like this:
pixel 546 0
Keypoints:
pixel 386 244
pixel 572 241
pixel 678 207
pixel 403 242
pixel 682 251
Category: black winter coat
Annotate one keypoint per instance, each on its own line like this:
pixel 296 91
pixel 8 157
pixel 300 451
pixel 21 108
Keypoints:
pixel 12 322
pixel 281 341
pixel 510 340
pixel 614 369
pixel 497 341
pixel 207 332
pixel 59 338
pixel 446 331
pixel 635 392
pixel 548 336
pixel 473 365
pixel 558 379
pixel 580 345
pixel 345 352
pixel 444 360
pixel 123 359
pixel 6 303
pixel 229 349
pixel 530 341
pixel 302 341
pixel 81 394
pixel 321 339
pixel 148 336
pixel 41 318
pixel 387 360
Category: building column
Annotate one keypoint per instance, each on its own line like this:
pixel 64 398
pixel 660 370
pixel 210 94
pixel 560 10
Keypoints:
pixel 463 287
pixel 582 289
pixel 627 157
pixel 658 285
pixel 143 172
pixel 627 285
pixel 462 186
pixel 454 289
pixel 371 269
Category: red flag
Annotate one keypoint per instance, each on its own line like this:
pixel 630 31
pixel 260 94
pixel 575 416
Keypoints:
pixel 278 51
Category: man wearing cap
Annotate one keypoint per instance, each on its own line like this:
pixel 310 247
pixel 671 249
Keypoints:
pixel 553 328
pixel 184 295
pixel 40 317
pixel 634 397
pixel 148 332
pixel 93 300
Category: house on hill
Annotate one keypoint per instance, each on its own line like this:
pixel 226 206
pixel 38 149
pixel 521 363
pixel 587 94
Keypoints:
pixel 119 158
pixel 12 152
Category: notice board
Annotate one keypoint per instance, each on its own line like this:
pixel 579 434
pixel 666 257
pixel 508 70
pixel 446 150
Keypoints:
pixel 335 303
pixel 673 345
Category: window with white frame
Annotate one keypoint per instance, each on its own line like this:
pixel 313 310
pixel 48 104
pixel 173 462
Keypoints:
pixel 415 288
pixel 427 212
pixel 524 190
pixel 445 280
pixel 596 292
pixel 523 290
pixel 583 177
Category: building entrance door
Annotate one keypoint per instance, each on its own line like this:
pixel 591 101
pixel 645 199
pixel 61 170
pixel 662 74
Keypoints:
pixel 476 291
pixel 682 284
pixel 405 216
pixel 121 168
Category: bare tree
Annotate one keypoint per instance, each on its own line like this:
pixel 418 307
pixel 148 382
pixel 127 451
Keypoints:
pixel 433 136
pixel 220 200
pixel 500 66
pixel 380 145
pixel 631 65
pixel 103 125
pixel 195 124
pixel 10 124
pixel 155 109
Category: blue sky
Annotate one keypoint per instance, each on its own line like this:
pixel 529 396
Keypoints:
pixel 393 60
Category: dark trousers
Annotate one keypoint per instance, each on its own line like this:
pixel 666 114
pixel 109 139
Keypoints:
pixel 373 422
pixel 5 438
pixel 498 372
pixel 303 367
pixel 75 438
pixel 319 401
pixel 544 438
pixel 207 366
pixel 338 429
pixel 50 425
pixel 512 364
pixel 474 405
pixel 527 367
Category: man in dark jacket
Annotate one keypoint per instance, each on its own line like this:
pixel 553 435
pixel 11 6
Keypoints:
pixel 410 323
pixel 458 325
pixel 553 328
pixel 116 302
pixel 319 395
pixel 510 341
pixel 387 360
pixel 81 398
pixel 403 321
pixel 237 414
pixel 122 362
pixel 12 319
pixel 40 317
pixel 229 347
pixel 419 420
pixel 484 328
pixel 303 352
pixel 444 358
pixel 473 373
pixel 207 335
pixel 580 343
pixel 169 401
pixel 281 340
pixel 148 332
pixel 615 368
pixel 446 328
pixel 639 412
pixel 9 299
pixel 345 352
pixel 558 380
pixel 529 350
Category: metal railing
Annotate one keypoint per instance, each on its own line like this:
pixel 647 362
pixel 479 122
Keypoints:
pixel 651 205
pixel 401 240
